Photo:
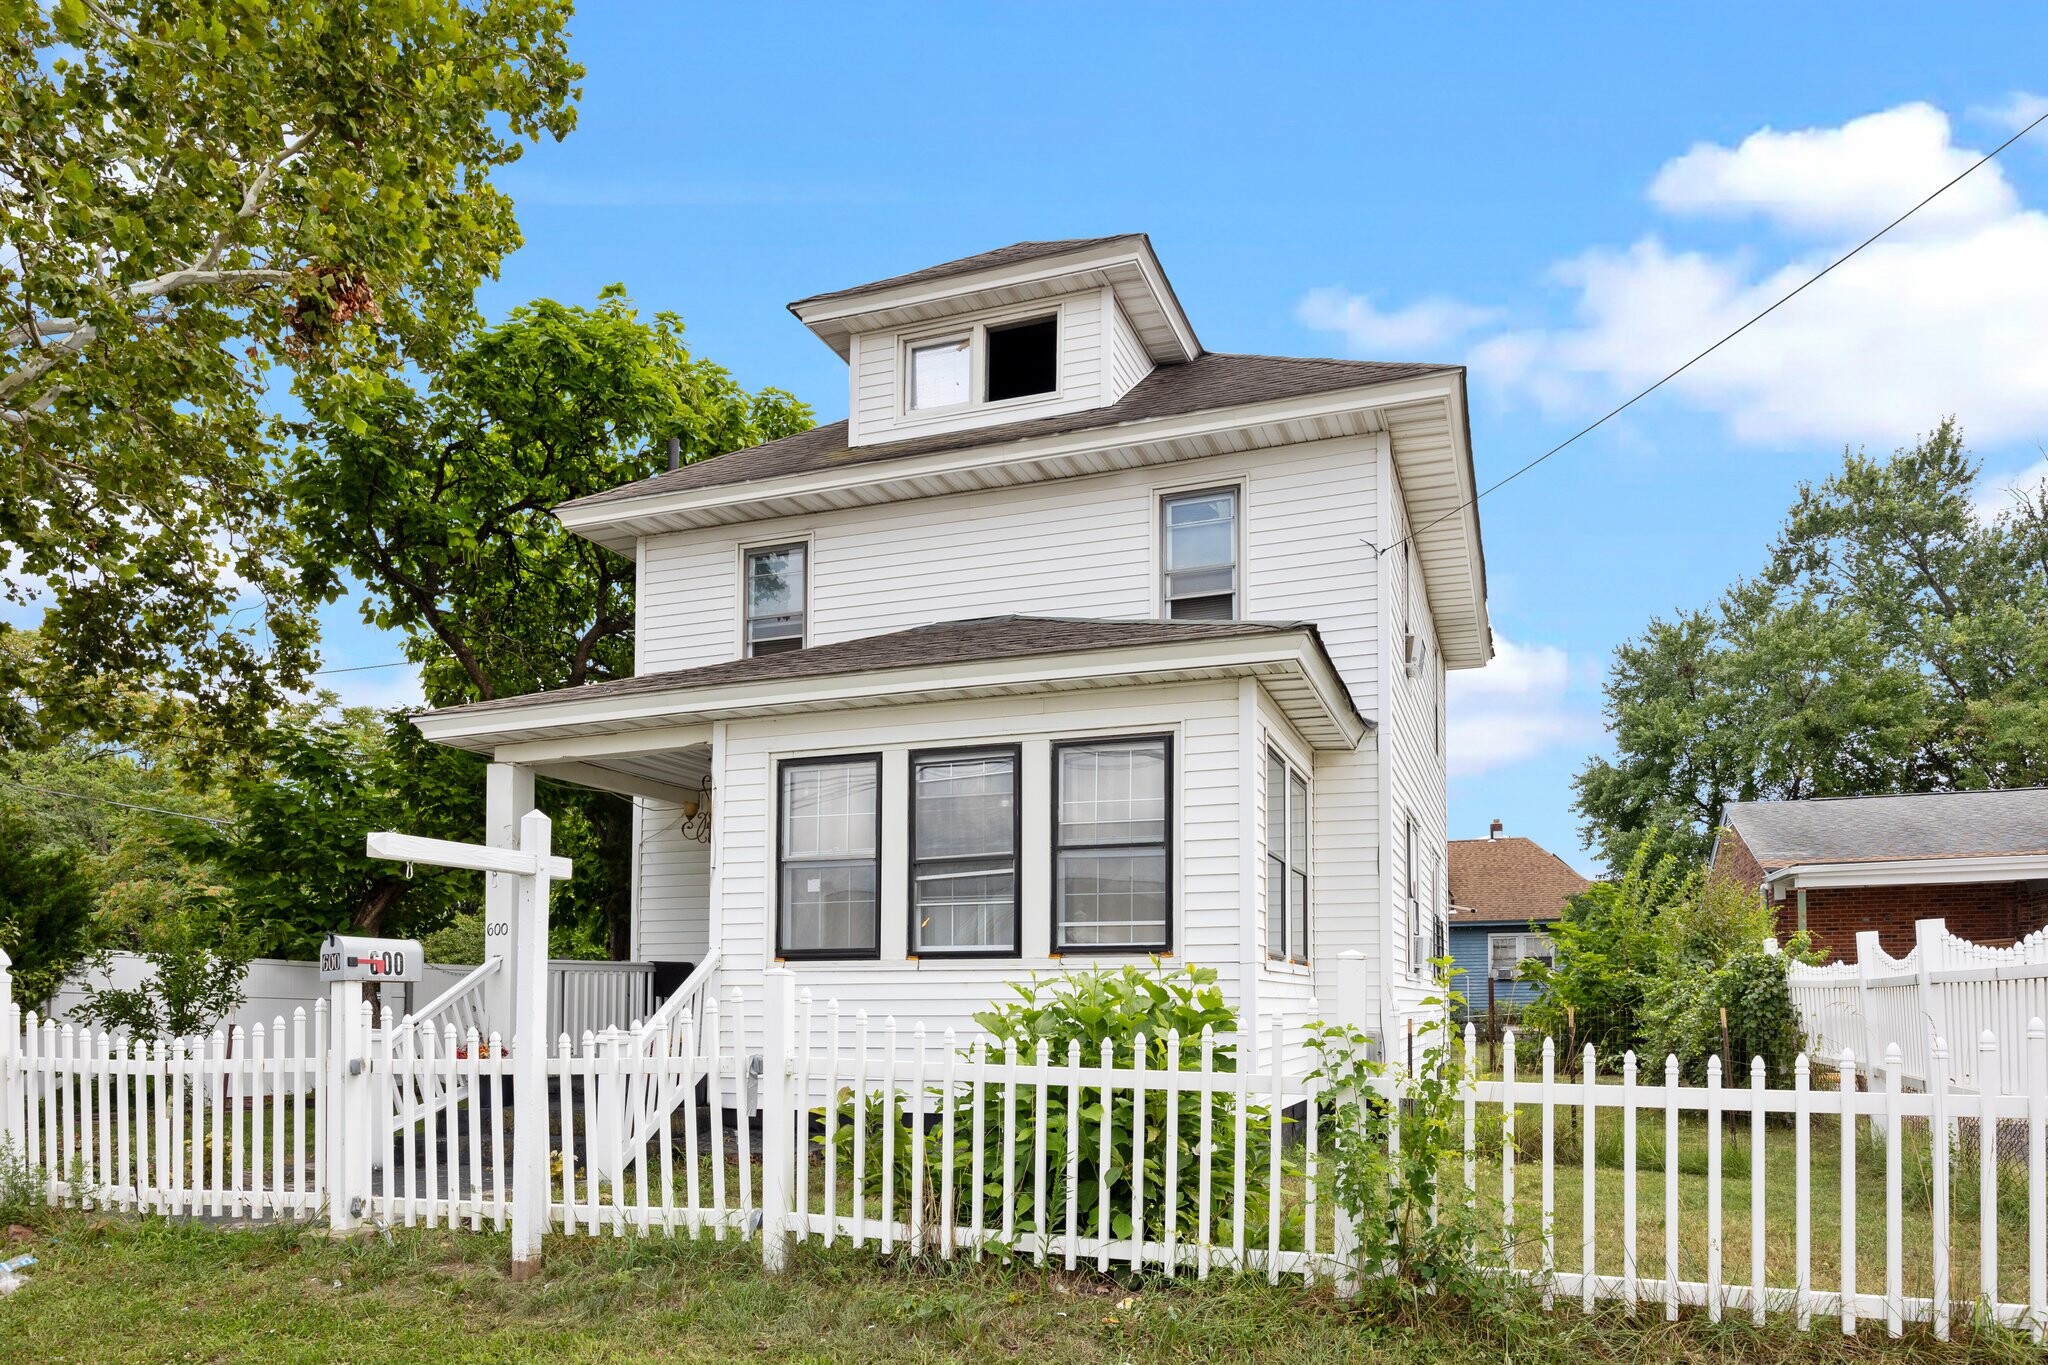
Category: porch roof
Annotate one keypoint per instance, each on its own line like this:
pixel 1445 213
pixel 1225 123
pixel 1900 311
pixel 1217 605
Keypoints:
pixel 990 656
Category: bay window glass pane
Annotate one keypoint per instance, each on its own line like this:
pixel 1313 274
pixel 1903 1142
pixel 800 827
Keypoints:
pixel 1276 906
pixel 1112 897
pixel 963 876
pixel 828 877
pixel 938 374
pixel 1112 793
pixel 1297 916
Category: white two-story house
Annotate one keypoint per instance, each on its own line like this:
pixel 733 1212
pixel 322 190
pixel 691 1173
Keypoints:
pixel 1074 643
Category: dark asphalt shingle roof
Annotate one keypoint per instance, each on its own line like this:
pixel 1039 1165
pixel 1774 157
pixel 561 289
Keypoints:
pixel 1495 881
pixel 1014 254
pixel 982 640
pixel 1887 828
pixel 1212 380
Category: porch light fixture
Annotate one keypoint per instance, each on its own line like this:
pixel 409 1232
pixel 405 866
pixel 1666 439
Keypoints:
pixel 697 813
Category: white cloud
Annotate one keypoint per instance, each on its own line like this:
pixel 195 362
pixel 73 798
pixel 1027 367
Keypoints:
pixel 1513 709
pixel 1421 326
pixel 1998 491
pixel 1943 319
pixel 2015 112
pixel 1838 181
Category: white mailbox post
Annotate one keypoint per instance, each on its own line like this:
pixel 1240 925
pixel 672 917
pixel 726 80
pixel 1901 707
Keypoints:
pixel 347 963
pixel 533 867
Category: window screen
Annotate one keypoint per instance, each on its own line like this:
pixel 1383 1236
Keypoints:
pixel 1110 830
pixel 938 373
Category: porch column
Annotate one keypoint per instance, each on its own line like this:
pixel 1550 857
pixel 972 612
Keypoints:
pixel 508 796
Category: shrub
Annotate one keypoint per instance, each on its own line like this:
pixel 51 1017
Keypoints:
pixel 1116 1007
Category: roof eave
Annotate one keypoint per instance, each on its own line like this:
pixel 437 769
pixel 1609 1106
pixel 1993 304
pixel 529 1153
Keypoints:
pixel 1949 871
pixel 1321 704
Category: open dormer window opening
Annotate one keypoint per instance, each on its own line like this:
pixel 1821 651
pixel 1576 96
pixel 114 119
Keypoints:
pixel 1023 359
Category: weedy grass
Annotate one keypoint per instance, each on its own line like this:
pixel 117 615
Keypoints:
pixel 115 1289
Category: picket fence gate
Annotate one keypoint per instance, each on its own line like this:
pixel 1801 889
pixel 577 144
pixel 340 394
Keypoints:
pixel 876 1137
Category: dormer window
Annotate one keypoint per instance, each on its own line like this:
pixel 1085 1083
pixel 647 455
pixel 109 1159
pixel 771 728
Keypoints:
pixel 993 362
pixel 939 373
pixel 1023 359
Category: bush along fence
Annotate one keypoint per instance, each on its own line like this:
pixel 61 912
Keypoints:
pixel 1099 1124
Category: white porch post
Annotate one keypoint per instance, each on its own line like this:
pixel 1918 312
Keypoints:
pixel 530 1046
pixel 1354 994
pixel 508 796
pixel 350 1127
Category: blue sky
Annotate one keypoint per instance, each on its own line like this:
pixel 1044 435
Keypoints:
pixel 1569 199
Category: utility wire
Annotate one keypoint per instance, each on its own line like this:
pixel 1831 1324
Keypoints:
pixel 360 668
pixel 1616 412
pixel 124 805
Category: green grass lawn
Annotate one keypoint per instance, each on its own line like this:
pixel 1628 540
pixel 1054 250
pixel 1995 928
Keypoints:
pixel 115 1288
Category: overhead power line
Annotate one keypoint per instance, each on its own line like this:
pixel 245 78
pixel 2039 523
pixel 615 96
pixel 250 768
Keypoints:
pixel 360 668
pixel 1782 301
pixel 124 805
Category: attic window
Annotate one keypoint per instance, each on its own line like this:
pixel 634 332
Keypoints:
pixel 1023 359
pixel 938 374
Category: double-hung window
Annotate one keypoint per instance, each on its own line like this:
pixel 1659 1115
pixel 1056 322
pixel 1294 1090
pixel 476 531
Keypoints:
pixel 776 593
pixel 1505 953
pixel 828 860
pixel 1198 551
pixel 963 852
pixel 1112 823
pixel 1286 861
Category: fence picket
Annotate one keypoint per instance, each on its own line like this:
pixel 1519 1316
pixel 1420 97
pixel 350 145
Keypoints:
pixel 1588 1167
pixel 1714 1189
pixel 1549 1214
pixel 1273 1187
pixel 888 1154
pixel 1993 1086
pixel 1040 1225
pixel 1848 1092
pixel 948 1220
pixel 1170 1159
pixel 1894 1132
pixel 1757 1165
pixel 1937 1134
pixel 1104 1127
pixel 1137 1151
pixel 2037 1178
pixel 1507 1148
pixel 1670 1187
pixel 1009 1223
pixel 1802 1190
pixel 1629 1268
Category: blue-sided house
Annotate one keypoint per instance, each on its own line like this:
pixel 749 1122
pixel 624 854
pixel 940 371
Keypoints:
pixel 1505 892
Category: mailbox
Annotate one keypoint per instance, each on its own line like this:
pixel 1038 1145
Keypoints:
pixel 347 958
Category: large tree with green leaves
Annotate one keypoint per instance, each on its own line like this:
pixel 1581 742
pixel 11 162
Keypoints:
pixel 435 493
pixel 200 198
pixel 1897 640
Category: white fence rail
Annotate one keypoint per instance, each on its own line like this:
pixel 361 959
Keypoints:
pixel 1945 987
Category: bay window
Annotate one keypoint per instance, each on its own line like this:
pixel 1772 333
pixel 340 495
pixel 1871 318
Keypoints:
pixel 1286 861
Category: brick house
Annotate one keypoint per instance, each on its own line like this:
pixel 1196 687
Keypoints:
pixel 1833 867
pixel 1505 893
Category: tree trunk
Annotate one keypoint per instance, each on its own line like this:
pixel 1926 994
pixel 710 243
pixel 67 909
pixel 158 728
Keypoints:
pixel 612 818
pixel 371 909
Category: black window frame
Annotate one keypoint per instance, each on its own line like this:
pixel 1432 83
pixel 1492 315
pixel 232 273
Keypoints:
pixel 1168 838
pixel 1236 594
pixel 1274 754
pixel 1015 753
pixel 747 554
pixel 782 950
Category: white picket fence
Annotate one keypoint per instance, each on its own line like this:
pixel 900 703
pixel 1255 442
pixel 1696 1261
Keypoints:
pixel 1945 987
pixel 873 1136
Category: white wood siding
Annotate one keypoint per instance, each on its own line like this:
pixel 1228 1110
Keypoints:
pixel 1127 360
pixel 671 920
pixel 876 403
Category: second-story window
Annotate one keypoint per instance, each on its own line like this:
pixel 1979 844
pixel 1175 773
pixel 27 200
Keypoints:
pixel 1198 533
pixel 939 373
pixel 776 593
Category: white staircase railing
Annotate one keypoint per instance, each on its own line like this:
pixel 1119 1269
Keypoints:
pixel 680 1031
pixel 444 1024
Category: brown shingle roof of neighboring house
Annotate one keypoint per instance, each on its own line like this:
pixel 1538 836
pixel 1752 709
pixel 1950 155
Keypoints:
pixel 985 639
pixel 1508 879
pixel 1211 381
pixel 1854 829
pixel 1017 253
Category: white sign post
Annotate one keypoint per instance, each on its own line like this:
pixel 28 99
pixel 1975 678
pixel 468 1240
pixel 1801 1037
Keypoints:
pixel 533 866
